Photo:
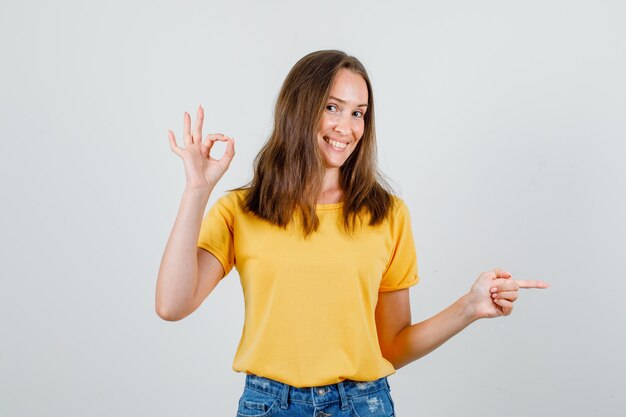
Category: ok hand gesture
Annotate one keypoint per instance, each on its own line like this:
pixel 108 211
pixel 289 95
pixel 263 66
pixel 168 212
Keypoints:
pixel 201 169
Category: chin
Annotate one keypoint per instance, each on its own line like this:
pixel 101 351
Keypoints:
pixel 330 162
pixel 333 158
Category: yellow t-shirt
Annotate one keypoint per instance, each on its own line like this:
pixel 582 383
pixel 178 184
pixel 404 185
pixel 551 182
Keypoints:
pixel 310 302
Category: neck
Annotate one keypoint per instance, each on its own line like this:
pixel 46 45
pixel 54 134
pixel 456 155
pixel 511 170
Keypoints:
pixel 331 190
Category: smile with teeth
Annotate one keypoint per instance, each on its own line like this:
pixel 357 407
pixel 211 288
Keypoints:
pixel 335 144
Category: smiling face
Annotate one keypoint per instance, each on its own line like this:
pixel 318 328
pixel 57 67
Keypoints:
pixel 342 123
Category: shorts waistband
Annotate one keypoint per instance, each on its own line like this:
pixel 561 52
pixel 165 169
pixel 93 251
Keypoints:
pixel 317 395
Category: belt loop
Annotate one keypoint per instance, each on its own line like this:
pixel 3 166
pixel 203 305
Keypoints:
pixel 284 396
pixel 342 395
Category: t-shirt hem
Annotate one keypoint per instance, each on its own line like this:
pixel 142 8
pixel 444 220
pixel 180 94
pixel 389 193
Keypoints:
pixel 220 257
pixel 319 383
pixel 399 287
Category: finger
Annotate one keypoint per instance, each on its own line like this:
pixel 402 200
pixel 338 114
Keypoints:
pixel 230 147
pixel 507 285
pixel 173 146
pixel 197 132
pixel 229 153
pixel 503 284
pixel 187 129
pixel 497 273
pixel 216 136
pixel 532 284
pixel 211 138
pixel 505 295
pixel 501 273
pixel 496 283
pixel 505 305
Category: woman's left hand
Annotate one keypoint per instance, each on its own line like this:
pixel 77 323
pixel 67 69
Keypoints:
pixel 494 292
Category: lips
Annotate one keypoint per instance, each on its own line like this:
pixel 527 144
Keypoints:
pixel 336 144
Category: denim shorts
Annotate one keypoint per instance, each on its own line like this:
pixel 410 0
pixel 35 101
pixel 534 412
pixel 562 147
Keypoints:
pixel 263 397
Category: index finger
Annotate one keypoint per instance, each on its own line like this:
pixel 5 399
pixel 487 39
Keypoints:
pixel 532 284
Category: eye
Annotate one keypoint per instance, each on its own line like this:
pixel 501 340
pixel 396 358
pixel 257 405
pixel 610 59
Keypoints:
pixel 358 114
pixel 331 107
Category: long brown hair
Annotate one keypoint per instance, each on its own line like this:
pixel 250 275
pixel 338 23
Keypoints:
pixel 289 169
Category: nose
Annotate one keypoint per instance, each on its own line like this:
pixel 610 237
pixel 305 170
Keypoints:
pixel 343 125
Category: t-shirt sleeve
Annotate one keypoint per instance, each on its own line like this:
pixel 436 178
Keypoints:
pixel 401 271
pixel 216 231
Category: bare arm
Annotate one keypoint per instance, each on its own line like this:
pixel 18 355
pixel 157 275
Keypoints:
pixel 187 274
pixel 401 342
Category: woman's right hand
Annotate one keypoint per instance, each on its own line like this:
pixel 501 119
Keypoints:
pixel 202 170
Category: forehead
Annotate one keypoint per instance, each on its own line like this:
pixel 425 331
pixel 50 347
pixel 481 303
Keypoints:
pixel 350 87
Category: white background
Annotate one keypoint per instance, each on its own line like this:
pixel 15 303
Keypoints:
pixel 501 124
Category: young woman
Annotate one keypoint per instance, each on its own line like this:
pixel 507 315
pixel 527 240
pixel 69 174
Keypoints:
pixel 324 251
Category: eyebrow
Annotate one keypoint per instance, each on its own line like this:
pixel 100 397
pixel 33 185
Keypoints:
pixel 344 102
